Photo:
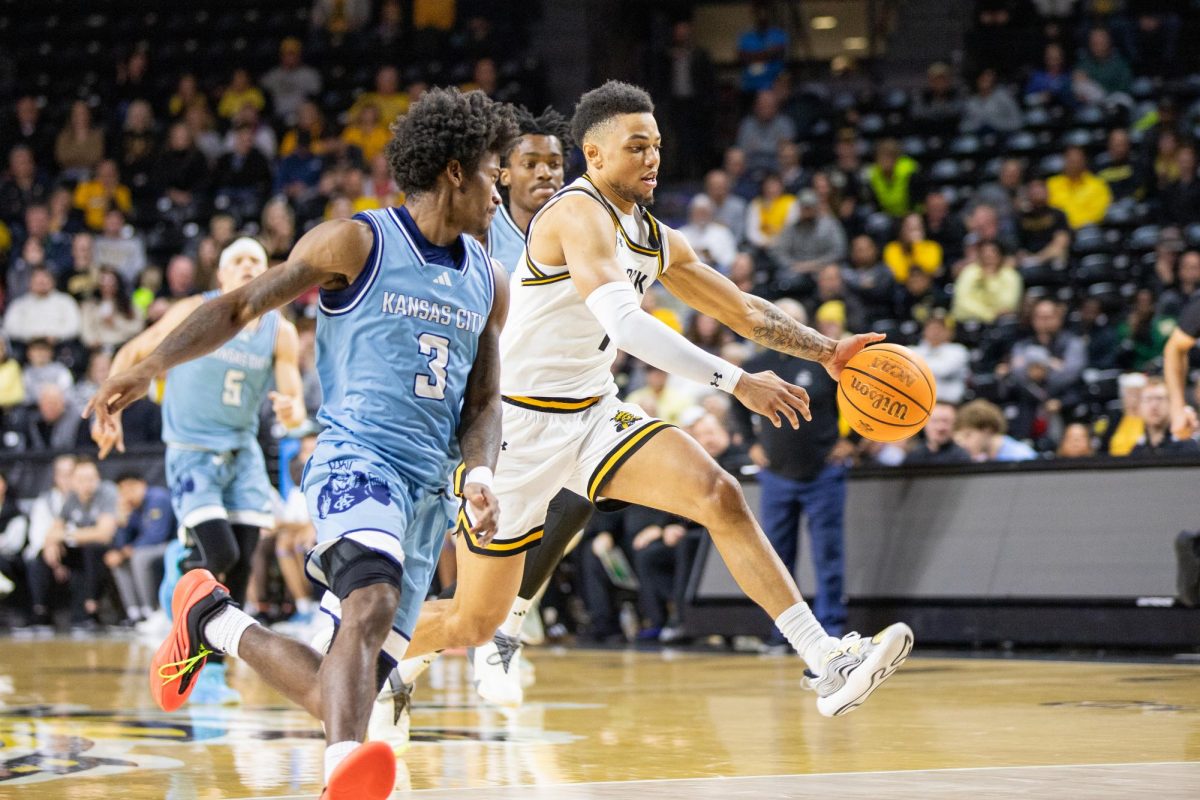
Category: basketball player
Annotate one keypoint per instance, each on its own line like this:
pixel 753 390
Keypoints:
pixel 215 468
pixel 591 253
pixel 408 351
pixel 1175 369
pixel 533 173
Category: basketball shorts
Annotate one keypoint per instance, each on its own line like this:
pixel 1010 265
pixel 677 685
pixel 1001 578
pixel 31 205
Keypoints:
pixel 551 444
pixel 353 494
pixel 230 484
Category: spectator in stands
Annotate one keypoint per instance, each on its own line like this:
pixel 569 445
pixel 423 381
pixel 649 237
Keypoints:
pixel 685 84
pixel 74 547
pixel 109 319
pixel 41 369
pixel 981 430
pixel 264 135
pixel 388 31
pixel 181 278
pixel 1165 159
pixel 80 145
pixel 57 245
pixel 244 174
pixel 1004 193
pixel 278 229
pixel 299 172
pixel 1076 442
pixel 762 132
pixel 943 227
pixel 30 130
pixel 1053 83
pixel 290 81
pixel 761 51
pixel 937 445
pixel 728 209
pixel 988 288
pixel 43 312
pixel 918 297
pixel 367 133
pixel 42 516
pixel 1077 192
pixel 310 120
pixel 240 92
pixel 145 524
pixel 483 78
pixel 1066 353
pixel 99 365
pixel 1116 167
pixel 1143 333
pixel 712 241
pixel 14 535
pixel 1185 284
pixel 912 249
pixel 938 107
pixel 991 109
pixel 869 279
pixel 949 361
pixel 831 287
pixel 340 20
pixel 85 269
pixel 1098 334
pixel 137 148
pixel 802 472
pixel 95 197
pixel 12 381
pixel 1033 413
pixel 743 182
pixel 64 217
pixel 846 172
pixel 204 133
pixel 380 186
pixel 387 98
pixel 815 239
pixel 893 179
pixel 120 246
pixel 55 425
pixel 743 273
pixel 770 213
pixel 20 272
pixel 1180 198
pixel 1103 65
pixel 181 173
pixel 22 187
pixel 658 398
pixel 1120 431
pixel 187 94
pixel 791 169
pixel 1043 233
pixel 1157 440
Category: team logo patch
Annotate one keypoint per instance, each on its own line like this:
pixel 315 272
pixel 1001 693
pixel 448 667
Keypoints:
pixel 185 485
pixel 624 420
pixel 348 487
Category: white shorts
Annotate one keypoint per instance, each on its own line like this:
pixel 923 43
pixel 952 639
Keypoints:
pixel 551 444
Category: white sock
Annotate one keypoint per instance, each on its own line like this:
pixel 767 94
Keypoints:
pixel 224 631
pixel 413 668
pixel 147 612
pixel 805 634
pixel 306 605
pixel 335 754
pixel 516 617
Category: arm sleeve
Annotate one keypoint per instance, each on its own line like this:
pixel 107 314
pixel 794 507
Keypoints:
pixel 631 329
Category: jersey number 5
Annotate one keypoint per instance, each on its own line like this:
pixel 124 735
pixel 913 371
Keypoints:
pixel 232 393
pixel 437 350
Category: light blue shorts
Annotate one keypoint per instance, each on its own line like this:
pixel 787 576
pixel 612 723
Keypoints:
pixel 232 484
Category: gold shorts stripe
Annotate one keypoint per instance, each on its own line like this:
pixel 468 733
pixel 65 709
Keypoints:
pixel 508 548
pixel 619 454
pixel 545 280
pixel 460 475
pixel 554 405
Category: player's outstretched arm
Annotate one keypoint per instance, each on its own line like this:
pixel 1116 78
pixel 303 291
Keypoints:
pixel 330 255
pixel 479 432
pixel 759 320
pixel 1175 363
pixel 287 399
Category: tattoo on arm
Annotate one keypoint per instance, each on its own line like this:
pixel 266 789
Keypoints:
pixel 778 331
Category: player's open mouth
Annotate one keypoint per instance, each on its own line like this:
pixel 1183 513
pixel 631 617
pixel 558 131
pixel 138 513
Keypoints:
pixel 651 180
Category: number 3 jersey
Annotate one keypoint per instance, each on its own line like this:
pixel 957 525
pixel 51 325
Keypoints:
pixel 212 402
pixel 395 348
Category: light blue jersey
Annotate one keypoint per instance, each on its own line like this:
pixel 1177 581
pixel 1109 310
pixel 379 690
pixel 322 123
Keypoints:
pixel 396 347
pixel 212 403
pixel 506 242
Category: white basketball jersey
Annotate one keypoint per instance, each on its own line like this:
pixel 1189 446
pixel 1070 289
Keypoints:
pixel 552 346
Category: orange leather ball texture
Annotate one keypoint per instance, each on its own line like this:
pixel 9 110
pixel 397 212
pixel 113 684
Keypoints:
pixel 886 392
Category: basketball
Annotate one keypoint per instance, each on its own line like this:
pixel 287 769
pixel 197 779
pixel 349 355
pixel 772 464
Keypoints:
pixel 886 392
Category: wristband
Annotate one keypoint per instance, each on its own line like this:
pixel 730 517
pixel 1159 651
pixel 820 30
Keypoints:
pixel 727 380
pixel 481 475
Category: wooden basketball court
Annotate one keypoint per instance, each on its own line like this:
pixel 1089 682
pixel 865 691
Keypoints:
pixel 76 722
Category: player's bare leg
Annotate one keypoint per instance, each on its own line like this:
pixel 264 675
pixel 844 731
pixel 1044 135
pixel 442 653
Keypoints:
pixel 673 473
pixel 487 586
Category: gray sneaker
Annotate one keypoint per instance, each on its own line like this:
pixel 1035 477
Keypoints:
pixel 857 667
pixel 391 716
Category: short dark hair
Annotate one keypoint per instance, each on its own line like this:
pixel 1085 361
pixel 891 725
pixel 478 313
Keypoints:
pixel 605 102
pixel 446 125
pixel 548 123
pixel 131 475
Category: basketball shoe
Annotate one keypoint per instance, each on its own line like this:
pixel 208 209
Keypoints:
pixel 391 716
pixel 177 664
pixel 368 773
pixel 497 667
pixel 856 667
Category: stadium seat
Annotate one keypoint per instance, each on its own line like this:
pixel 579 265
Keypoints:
pixel 1090 239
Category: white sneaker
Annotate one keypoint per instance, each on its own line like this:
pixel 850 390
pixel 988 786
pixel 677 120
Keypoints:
pixel 856 667
pixel 6 585
pixel 391 716
pixel 497 667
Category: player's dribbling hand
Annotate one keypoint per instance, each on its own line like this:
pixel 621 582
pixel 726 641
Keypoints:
pixel 290 411
pixel 767 394
pixel 484 511
pixel 1183 423
pixel 113 396
pixel 847 348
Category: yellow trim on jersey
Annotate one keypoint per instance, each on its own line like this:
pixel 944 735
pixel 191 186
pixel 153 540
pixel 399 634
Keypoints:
pixel 537 273
pixel 460 474
pixel 618 455
pixel 545 280
pixel 634 246
pixel 553 404
pixel 655 234
pixel 509 547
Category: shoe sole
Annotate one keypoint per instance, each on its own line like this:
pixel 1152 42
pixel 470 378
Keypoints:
pixel 368 773
pixel 893 652
pixel 193 587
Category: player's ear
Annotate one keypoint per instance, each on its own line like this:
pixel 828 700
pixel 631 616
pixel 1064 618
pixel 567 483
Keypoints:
pixel 454 171
pixel 591 152
pixel 505 177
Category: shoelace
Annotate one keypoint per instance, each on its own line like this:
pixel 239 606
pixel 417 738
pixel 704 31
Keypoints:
pixel 183 667
pixel 505 648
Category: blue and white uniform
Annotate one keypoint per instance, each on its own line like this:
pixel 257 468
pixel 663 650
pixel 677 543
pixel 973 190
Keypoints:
pixel 505 241
pixel 395 350
pixel 215 467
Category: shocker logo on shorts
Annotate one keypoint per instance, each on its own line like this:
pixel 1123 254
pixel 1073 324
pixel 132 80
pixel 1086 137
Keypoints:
pixel 624 420
pixel 347 488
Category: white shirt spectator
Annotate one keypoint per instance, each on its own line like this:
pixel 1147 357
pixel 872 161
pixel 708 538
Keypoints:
pixel 126 253
pixel 712 241
pixel 42 313
pixel 291 82
pixel 950 363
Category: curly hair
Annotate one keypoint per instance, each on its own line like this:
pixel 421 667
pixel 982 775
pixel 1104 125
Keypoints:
pixel 446 125
pixel 548 123
pixel 602 104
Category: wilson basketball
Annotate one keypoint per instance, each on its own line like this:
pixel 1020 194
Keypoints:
pixel 886 392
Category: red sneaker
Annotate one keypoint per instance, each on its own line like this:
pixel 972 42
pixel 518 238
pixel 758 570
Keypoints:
pixel 198 597
pixel 368 773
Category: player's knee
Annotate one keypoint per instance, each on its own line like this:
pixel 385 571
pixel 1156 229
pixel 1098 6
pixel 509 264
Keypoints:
pixel 371 608
pixel 473 630
pixel 721 497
